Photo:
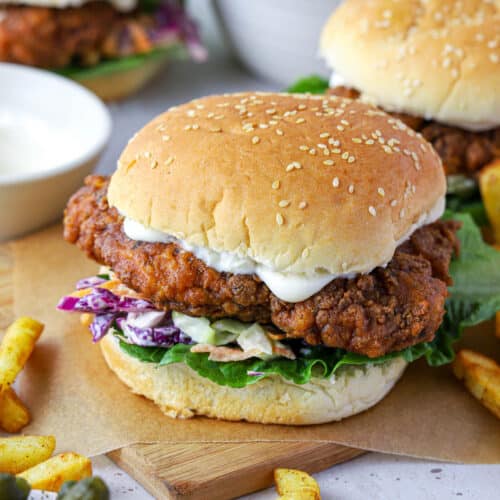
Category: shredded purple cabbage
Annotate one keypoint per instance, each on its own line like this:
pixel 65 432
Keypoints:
pixel 91 282
pixel 101 300
pixel 173 22
pixel 101 324
pixel 160 336
pixel 138 319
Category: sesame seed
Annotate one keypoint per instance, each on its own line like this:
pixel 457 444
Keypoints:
pixel 279 219
pixel 378 133
pixel 218 117
pixel 191 113
pixel 160 127
pixel 394 203
pixel 372 211
pixel 196 126
pixel 351 159
pixel 305 252
pixel 300 120
pixel 210 115
pixel 336 182
pixel 312 151
pixel 279 131
pixel 215 129
pixel 328 162
pixel 165 138
pixel 336 151
pixel 357 140
pixel 303 147
pixel 324 135
pixel 284 203
pixel 302 205
pixel 344 122
pixel 255 139
pixel 345 155
pixel 270 111
pixel 291 166
pixel 340 127
pixel 381 191
pixel 263 125
pixel 370 142
pixel 275 185
pixel 154 164
pixel 494 58
pixel 302 106
pixel 423 148
pixel 351 188
pixel 169 161
pixel 187 127
pixel 401 213
pixel 387 149
pixel 147 154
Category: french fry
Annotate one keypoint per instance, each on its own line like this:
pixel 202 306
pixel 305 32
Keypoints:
pixel 296 485
pixel 22 452
pixel 481 376
pixel 489 182
pixel 13 414
pixel 16 347
pixel 51 474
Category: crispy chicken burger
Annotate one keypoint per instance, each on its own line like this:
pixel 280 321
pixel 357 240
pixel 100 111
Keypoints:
pixel 113 47
pixel 435 65
pixel 274 258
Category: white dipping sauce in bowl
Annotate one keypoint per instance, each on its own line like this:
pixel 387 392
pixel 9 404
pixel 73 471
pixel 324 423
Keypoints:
pixel 52 132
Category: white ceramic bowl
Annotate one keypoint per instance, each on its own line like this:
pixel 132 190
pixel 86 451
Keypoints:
pixel 52 132
pixel 276 39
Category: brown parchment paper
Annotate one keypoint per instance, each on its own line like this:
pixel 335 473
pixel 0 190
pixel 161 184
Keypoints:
pixel 72 394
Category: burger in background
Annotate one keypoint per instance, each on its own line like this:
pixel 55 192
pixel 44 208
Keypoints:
pixel 112 47
pixel 434 65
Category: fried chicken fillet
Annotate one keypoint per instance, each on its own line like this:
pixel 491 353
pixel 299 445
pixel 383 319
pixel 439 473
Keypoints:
pixel 373 314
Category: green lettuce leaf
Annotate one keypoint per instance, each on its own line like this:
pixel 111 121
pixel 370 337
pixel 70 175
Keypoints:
pixel 311 84
pixel 474 298
pixel 175 50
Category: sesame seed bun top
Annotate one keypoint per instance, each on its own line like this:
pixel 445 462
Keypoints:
pixel 299 183
pixel 439 59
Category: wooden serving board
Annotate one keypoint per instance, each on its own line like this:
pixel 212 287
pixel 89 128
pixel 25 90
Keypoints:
pixel 206 470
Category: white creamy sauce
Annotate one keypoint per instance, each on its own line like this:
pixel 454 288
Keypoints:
pixel 121 5
pixel 337 80
pixel 286 286
pixel 29 144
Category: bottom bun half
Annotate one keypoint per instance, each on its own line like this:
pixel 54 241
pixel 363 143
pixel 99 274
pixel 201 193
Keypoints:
pixel 180 392
pixel 117 85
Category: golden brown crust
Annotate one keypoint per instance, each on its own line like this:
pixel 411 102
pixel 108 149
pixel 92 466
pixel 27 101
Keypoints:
pixel 299 183
pixel 438 59
pixel 182 393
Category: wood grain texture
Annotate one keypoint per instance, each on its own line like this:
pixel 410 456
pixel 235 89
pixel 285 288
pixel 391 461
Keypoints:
pixel 205 470
pixel 221 471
